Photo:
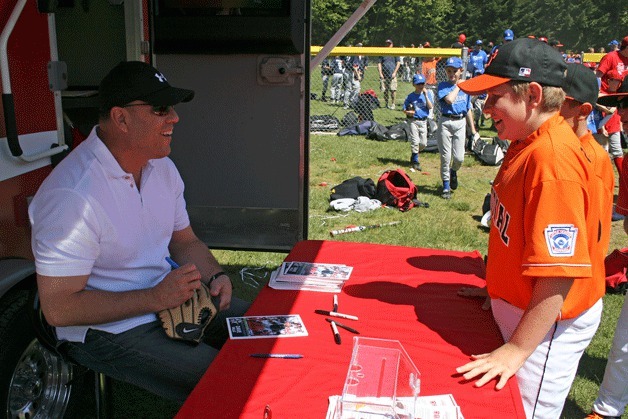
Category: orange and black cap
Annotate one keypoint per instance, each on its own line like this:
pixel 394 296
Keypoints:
pixel 523 59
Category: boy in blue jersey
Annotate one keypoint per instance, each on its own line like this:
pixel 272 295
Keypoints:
pixel 417 108
pixel 477 61
pixel 455 107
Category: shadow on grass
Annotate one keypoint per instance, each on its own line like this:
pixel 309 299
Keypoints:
pixel 572 410
pixel 395 162
pixel 430 190
pixel 591 368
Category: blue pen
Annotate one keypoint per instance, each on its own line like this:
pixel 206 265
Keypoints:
pixel 172 263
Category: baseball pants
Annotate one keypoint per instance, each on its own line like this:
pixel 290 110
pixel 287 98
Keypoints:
pixel 336 87
pixel 450 140
pixel 325 84
pixel 418 135
pixel 613 396
pixel 546 376
pixel 351 94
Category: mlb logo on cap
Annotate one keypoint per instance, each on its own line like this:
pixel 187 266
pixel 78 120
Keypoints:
pixel 525 72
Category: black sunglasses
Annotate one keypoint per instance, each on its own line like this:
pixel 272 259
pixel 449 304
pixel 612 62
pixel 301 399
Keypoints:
pixel 160 110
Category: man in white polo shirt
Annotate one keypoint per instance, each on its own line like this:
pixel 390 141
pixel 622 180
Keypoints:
pixel 104 222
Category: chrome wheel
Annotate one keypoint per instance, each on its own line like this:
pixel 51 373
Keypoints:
pixel 39 386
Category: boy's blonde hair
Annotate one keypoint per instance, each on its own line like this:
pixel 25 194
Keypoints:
pixel 553 97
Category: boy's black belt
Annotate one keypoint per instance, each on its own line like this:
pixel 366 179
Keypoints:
pixel 460 116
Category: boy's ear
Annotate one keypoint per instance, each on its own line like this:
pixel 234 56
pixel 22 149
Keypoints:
pixel 535 94
pixel 585 109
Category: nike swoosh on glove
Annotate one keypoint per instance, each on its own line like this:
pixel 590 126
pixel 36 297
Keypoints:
pixel 189 320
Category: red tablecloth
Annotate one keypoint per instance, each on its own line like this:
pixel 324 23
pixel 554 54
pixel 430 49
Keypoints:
pixel 402 293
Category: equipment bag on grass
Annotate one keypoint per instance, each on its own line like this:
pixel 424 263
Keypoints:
pixel 490 153
pixel 398 132
pixel 396 189
pixel 616 265
pixel 324 123
pixel 353 188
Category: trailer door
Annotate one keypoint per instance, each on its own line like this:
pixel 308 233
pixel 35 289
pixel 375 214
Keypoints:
pixel 241 144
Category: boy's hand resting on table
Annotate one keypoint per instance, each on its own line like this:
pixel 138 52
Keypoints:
pixel 503 362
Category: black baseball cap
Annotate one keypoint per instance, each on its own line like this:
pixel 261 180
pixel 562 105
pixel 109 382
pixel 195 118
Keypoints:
pixel 135 80
pixel 523 59
pixel 614 99
pixel 581 84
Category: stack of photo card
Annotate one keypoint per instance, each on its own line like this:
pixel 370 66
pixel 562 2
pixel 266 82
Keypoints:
pixel 310 276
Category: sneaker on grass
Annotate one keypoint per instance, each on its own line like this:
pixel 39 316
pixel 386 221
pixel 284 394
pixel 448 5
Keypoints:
pixel 453 179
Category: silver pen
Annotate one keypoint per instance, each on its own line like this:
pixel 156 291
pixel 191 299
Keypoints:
pixel 283 356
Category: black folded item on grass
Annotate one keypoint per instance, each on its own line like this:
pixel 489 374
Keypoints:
pixel 353 188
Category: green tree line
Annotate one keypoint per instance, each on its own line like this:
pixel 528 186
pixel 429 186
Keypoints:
pixel 578 24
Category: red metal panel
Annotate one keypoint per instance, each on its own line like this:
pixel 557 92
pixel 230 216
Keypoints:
pixel 29 54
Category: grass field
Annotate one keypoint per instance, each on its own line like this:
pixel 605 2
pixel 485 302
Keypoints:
pixel 446 224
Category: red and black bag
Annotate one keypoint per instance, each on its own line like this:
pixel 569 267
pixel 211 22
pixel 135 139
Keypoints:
pixel 396 189
pixel 616 265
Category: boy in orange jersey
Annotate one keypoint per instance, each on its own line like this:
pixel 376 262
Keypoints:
pixel 581 88
pixel 539 277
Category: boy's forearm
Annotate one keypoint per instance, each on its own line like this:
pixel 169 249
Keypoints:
pixel 543 310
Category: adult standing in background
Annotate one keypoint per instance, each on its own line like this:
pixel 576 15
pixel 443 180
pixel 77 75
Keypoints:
pixel 614 60
pixel 462 38
pixel 388 67
pixel 613 45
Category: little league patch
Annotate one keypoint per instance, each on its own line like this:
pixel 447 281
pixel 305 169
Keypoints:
pixel 561 239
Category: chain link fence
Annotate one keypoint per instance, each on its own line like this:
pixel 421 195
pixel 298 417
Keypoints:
pixel 340 99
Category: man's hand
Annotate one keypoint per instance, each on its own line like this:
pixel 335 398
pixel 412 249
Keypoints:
pixel 177 287
pixel 221 286
pixel 503 362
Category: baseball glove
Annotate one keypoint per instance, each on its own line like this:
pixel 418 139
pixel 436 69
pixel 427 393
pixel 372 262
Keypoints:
pixel 189 320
